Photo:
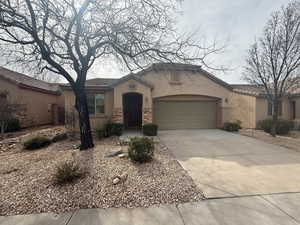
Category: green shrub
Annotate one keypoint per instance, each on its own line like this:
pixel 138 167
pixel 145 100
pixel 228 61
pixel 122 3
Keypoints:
pixel 113 129
pixel 100 133
pixel 283 126
pixel 67 172
pixel 36 143
pixel 141 149
pixel 59 137
pixel 12 125
pixel 232 126
pixel 150 129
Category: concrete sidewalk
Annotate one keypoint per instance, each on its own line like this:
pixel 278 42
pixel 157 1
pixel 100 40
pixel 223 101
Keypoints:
pixel 277 209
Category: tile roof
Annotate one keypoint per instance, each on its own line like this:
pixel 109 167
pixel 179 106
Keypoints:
pixel 102 81
pixel 110 82
pixel 22 79
pixel 249 89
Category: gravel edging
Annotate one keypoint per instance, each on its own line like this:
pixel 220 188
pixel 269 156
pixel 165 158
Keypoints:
pixel 26 181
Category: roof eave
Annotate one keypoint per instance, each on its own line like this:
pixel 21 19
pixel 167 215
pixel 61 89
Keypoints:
pixel 132 77
pixel 89 87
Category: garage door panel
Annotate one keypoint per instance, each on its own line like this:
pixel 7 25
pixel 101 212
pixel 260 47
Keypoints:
pixel 185 115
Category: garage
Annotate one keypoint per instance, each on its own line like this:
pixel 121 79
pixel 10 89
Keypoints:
pixel 170 115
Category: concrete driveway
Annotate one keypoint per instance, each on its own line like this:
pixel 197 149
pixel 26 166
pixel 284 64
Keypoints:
pixel 224 164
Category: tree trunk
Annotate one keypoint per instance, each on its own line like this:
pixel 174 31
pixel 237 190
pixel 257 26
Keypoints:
pixel 84 119
pixel 275 117
pixel 2 126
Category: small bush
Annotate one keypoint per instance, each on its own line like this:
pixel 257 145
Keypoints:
pixel 100 133
pixel 150 129
pixel 232 126
pixel 36 143
pixel 114 129
pixel 283 126
pixel 67 172
pixel 141 149
pixel 59 137
pixel 12 125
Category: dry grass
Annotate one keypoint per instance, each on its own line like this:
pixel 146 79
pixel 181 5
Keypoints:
pixel 26 180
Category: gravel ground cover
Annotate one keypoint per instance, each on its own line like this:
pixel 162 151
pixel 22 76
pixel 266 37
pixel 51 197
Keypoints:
pixel 26 178
pixel 291 141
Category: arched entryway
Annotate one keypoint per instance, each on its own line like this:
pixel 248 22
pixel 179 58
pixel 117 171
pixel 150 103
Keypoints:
pixel 132 110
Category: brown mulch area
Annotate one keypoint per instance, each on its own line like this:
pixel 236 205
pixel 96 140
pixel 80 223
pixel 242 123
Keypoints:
pixel 26 179
pixel 292 141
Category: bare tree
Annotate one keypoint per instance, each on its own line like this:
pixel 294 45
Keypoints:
pixel 67 37
pixel 274 60
pixel 48 77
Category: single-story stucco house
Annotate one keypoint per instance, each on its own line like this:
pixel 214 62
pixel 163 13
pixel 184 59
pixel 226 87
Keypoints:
pixel 39 102
pixel 177 96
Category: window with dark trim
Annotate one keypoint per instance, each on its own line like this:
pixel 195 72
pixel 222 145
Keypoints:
pixel 293 110
pixel 271 108
pixel 95 103
pixel 3 96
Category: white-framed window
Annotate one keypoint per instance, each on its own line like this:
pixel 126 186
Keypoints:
pixel 95 103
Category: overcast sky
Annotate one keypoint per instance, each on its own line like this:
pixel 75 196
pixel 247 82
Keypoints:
pixel 236 21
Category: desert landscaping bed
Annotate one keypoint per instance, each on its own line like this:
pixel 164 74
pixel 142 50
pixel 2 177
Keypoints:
pixel 291 141
pixel 27 186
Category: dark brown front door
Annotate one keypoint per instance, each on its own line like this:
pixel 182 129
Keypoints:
pixel 132 107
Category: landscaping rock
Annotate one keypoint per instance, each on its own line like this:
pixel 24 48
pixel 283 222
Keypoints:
pixel 114 153
pixel 76 146
pixel 111 182
pixel 123 177
pixel 122 155
pixel 116 180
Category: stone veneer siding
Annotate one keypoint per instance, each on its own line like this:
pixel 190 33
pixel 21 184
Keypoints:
pixel 117 116
pixel 147 115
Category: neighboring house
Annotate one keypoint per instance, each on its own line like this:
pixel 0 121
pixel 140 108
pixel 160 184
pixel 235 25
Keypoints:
pixel 177 96
pixel 39 102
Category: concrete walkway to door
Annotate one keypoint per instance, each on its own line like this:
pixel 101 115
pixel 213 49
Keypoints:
pixel 225 164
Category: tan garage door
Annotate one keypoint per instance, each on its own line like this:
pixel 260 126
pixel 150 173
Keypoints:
pixel 169 115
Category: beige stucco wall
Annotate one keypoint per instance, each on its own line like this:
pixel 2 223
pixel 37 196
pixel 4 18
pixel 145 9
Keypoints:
pixel 297 100
pixel 98 120
pixel 38 106
pixel 262 109
pixel 187 98
pixel 297 120
pixel 35 106
pixel 124 88
pixel 232 106
pixel 243 108
pixel 132 86
pixel 12 89
pixel 190 84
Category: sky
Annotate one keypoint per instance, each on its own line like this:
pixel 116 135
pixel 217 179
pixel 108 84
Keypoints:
pixel 233 22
